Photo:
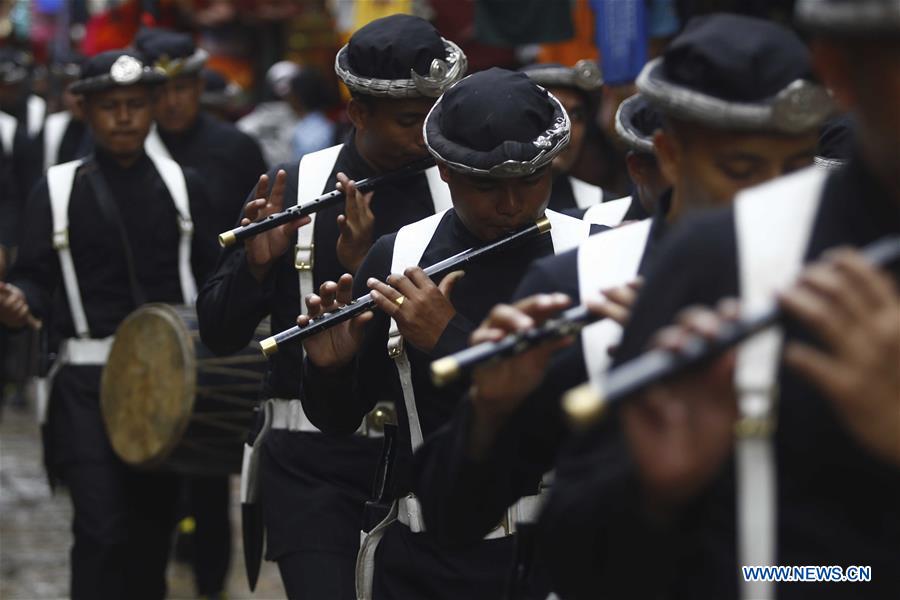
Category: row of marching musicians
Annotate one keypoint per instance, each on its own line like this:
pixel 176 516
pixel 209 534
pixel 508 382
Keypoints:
pixel 784 451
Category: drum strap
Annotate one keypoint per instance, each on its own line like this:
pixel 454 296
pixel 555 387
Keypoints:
pixel 8 126
pixel 586 194
pixel 610 259
pixel 59 185
pixel 770 255
pixel 37 110
pixel 54 131
pixel 173 178
pixel 608 213
pixel 154 146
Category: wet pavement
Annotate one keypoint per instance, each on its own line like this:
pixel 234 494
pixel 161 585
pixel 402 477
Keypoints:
pixel 35 528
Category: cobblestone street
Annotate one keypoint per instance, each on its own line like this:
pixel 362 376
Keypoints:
pixel 35 536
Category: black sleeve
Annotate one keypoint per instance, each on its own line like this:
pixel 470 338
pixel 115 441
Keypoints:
pixel 232 302
pixel 337 400
pixel 595 537
pixel 9 205
pixel 253 164
pixel 463 499
pixel 205 247
pixel 695 264
pixel 36 271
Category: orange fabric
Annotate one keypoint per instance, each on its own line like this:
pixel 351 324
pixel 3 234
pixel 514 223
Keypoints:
pixel 581 46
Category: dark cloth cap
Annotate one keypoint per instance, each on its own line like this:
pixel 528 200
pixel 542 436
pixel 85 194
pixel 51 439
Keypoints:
pixel 174 52
pixel 389 47
pixel 740 73
pixel 497 123
pixel 399 56
pixel 115 68
pixel 736 58
pixel 636 122
pixel 849 17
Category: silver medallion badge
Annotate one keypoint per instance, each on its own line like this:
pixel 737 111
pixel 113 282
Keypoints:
pixel 125 70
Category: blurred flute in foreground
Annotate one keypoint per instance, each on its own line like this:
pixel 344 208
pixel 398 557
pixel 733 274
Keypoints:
pixel 585 405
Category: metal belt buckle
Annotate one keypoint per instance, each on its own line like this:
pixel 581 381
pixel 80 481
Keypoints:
pixel 61 239
pixel 754 427
pixel 757 406
pixel 306 263
pixel 395 344
pixel 185 225
pixel 380 415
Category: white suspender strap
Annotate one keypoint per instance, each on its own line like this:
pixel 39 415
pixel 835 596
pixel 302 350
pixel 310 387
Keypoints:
pixel 440 192
pixel 312 177
pixel 565 231
pixel 409 246
pixel 586 194
pixel 610 213
pixel 173 177
pixel 8 125
pixel 37 110
pixel 773 225
pixel 610 259
pixel 154 146
pixel 54 130
pixel 59 185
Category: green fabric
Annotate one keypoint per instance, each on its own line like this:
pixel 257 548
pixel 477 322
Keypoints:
pixel 515 22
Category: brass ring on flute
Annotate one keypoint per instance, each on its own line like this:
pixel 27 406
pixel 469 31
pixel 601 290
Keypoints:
pixel 400 300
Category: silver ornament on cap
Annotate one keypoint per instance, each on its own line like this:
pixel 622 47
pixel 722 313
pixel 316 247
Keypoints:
pixel 126 69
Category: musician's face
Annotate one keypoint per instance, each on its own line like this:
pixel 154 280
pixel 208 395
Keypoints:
pixel 574 103
pixel 708 167
pixel 389 131
pixel 864 77
pixel 120 118
pixel 177 103
pixel 491 208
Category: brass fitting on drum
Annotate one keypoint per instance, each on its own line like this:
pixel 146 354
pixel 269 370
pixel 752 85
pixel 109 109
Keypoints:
pixel 382 414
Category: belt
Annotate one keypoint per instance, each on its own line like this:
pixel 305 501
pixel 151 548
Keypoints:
pixel 84 351
pixel 289 415
pixel 525 510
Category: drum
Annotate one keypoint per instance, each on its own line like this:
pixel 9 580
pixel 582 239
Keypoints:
pixel 168 402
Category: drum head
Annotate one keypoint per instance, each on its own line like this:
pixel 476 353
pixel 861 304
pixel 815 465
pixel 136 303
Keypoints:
pixel 148 386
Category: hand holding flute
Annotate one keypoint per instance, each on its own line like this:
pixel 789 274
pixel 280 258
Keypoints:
pixel 420 307
pixel 264 249
pixel 335 346
pixel 14 309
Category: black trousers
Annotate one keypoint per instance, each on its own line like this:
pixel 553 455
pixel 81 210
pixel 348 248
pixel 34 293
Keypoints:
pixel 207 500
pixel 122 526
pixel 412 566
pixel 314 575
